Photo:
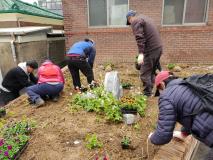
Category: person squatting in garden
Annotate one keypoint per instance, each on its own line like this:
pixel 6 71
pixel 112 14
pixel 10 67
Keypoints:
pixel 81 56
pixel 181 103
pixel 16 80
pixel 149 48
pixel 50 84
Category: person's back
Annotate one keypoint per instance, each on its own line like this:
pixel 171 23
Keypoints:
pixel 11 80
pixel 49 72
pixel 151 34
pixel 182 105
pixel 79 47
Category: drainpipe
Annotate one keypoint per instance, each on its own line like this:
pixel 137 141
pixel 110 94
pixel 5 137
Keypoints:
pixel 13 47
pixel 1 78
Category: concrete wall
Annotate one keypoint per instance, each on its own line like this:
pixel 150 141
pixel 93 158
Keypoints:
pixel 188 44
pixel 6 58
pixel 31 50
pixel 56 50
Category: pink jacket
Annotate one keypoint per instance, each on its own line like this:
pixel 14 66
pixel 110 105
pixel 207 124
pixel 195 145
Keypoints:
pixel 49 72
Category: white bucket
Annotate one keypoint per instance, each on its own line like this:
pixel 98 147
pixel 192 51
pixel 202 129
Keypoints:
pixel 129 118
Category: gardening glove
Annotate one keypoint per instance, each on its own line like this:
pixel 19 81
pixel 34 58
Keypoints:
pixel 150 135
pixel 179 135
pixel 140 59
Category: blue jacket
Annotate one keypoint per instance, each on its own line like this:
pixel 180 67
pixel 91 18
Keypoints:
pixel 176 103
pixel 85 49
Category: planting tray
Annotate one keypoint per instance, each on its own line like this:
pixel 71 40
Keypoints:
pixel 18 154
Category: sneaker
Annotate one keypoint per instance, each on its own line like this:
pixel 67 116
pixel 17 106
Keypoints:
pixel 55 99
pixel 77 90
pixel 38 102
pixel 93 84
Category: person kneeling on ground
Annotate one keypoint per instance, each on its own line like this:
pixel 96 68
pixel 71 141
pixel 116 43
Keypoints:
pixel 16 81
pixel 180 103
pixel 81 56
pixel 50 84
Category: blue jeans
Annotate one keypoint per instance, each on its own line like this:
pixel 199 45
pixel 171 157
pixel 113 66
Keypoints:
pixel 44 89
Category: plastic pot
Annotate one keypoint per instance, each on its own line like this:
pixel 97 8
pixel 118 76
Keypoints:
pixel 125 146
pixel 129 118
pixel 2 113
pixel 128 111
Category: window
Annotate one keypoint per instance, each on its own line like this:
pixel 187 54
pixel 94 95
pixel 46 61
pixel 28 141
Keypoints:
pixel 107 12
pixel 179 12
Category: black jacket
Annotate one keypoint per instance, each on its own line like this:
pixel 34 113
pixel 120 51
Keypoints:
pixel 16 79
pixel 146 34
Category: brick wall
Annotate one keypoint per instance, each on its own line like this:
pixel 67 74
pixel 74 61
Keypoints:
pixel 181 44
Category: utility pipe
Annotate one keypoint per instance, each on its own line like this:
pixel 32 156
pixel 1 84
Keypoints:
pixel 13 47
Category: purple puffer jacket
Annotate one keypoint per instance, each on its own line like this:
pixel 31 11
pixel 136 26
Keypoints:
pixel 176 103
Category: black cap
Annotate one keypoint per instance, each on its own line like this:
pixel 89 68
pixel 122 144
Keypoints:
pixel 33 64
pixel 88 40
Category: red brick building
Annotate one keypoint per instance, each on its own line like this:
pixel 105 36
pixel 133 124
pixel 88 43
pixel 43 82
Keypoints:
pixel 186 27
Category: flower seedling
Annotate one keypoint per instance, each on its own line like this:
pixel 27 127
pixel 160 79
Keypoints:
pixel 126 85
pixel 93 142
pixel 171 66
pixel 125 143
pixel 2 112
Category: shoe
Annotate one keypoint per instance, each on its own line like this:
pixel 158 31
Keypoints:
pixel 93 84
pixel 30 101
pixel 78 90
pixel 38 102
pixel 55 99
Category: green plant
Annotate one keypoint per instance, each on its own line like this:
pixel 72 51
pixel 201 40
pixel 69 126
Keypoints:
pixel 125 141
pixel 134 103
pixel 109 64
pixel 2 109
pixel 2 112
pixel 126 85
pixel 171 66
pixel 101 102
pixel 137 126
pixel 92 141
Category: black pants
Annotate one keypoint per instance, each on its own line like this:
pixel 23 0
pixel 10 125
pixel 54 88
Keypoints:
pixel 75 65
pixel 6 97
pixel 148 70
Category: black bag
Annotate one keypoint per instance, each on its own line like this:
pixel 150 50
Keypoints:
pixel 202 86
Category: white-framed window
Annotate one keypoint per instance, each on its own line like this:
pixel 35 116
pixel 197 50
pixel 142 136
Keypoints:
pixel 184 12
pixel 107 12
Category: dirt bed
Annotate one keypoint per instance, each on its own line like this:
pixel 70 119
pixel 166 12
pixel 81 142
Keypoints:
pixel 58 127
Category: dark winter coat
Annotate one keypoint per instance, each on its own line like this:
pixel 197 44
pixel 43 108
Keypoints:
pixel 146 34
pixel 176 103
pixel 16 79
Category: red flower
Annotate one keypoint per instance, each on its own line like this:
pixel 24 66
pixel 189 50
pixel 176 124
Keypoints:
pixel 1 142
pixel 9 147
pixel 6 154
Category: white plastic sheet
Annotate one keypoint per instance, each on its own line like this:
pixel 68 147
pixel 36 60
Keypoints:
pixel 112 84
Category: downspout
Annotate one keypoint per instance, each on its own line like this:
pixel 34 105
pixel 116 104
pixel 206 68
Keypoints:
pixel 13 47
pixel 1 78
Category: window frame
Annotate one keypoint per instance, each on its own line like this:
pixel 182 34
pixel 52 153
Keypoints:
pixel 104 26
pixel 183 19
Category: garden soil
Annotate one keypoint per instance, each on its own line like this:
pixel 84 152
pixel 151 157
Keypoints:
pixel 60 130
